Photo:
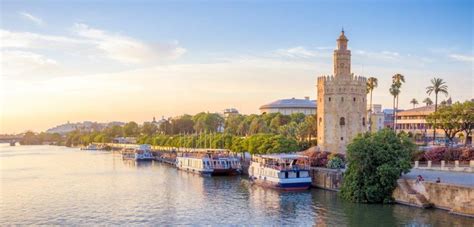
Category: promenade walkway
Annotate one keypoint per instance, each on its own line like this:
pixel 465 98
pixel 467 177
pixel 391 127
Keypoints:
pixel 458 178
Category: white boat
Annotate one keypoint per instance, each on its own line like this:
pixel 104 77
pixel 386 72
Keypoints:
pixel 209 164
pixel 142 153
pixel 287 172
pixel 90 147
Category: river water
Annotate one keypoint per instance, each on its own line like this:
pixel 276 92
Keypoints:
pixel 49 185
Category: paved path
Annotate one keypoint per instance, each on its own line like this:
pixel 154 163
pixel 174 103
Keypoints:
pixel 459 178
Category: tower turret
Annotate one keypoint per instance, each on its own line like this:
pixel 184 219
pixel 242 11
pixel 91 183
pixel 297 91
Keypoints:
pixel 342 58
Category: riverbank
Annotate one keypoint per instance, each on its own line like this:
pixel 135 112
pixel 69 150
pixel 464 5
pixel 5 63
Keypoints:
pixel 455 195
pixel 91 188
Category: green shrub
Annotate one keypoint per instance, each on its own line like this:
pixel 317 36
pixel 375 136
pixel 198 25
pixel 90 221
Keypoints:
pixel 375 162
pixel 335 162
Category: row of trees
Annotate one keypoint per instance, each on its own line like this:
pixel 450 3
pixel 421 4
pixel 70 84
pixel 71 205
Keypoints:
pixel 255 144
pixel 296 127
pixel 454 119
pixel 30 138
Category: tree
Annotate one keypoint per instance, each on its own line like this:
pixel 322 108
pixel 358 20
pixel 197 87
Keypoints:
pixel 447 118
pixel 437 86
pixel 394 91
pixel 397 79
pixel 114 131
pixel 207 122
pixel 232 123
pixel 183 124
pixel 165 128
pixel 414 102
pixel 372 83
pixel 131 129
pixel 257 126
pixel 428 101
pixel 375 162
pixel 275 123
pixel 149 128
pixel 467 120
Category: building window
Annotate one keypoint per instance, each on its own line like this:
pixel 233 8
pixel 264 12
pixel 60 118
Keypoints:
pixel 342 99
pixel 354 99
pixel 329 99
pixel 320 121
pixel 363 121
pixel 342 121
pixel 342 138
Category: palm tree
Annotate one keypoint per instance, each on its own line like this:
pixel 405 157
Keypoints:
pixel 414 102
pixel 394 91
pixel 437 86
pixel 372 83
pixel 397 80
pixel 428 101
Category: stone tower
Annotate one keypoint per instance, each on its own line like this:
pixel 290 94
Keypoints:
pixel 342 102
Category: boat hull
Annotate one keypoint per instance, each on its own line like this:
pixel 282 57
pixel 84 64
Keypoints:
pixel 294 186
pixel 225 172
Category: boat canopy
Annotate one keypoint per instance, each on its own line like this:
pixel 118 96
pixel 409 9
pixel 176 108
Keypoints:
pixel 283 156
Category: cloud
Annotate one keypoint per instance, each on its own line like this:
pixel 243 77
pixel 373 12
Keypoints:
pixel 295 52
pixel 126 49
pixel 463 58
pixel 94 43
pixel 15 62
pixel 38 21
pixel 28 40
pixel 382 55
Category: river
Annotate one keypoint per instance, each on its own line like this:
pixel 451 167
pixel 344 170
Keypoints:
pixel 50 185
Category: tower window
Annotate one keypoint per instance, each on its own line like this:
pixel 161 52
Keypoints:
pixel 342 99
pixel 342 138
pixel 320 121
pixel 363 121
pixel 354 99
pixel 342 121
pixel 329 99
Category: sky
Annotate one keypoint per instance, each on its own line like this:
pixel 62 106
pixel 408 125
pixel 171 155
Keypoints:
pixel 132 60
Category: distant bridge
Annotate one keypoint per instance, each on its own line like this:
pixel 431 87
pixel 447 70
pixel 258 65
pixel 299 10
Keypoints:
pixel 11 139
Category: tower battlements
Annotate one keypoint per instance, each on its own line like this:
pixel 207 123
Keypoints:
pixel 352 79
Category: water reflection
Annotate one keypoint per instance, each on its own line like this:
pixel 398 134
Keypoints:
pixel 61 186
pixel 138 164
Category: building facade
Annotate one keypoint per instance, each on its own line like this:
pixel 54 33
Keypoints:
pixel 377 118
pixel 342 102
pixel 290 106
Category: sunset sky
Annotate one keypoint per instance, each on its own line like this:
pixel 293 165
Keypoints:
pixel 132 60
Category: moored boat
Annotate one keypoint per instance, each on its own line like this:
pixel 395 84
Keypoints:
pixel 90 147
pixel 287 172
pixel 142 153
pixel 209 164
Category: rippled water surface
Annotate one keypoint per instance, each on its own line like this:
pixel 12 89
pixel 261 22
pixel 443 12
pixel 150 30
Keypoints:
pixel 64 186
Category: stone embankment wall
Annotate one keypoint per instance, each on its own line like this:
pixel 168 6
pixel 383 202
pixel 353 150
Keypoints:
pixel 455 198
pixel 330 179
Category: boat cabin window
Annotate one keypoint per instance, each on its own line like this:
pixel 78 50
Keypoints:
pixel 291 174
pixel 304 174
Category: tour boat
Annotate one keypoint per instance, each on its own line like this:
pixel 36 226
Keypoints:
pixel 209 164
pixel 90 147
pixel 142 153
pixel 287 172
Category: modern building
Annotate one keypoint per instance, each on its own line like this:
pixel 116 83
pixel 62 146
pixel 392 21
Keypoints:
pixel 290 106
pixel 342 102
pixel 377 118
pixel 230 111
pixel 388 117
